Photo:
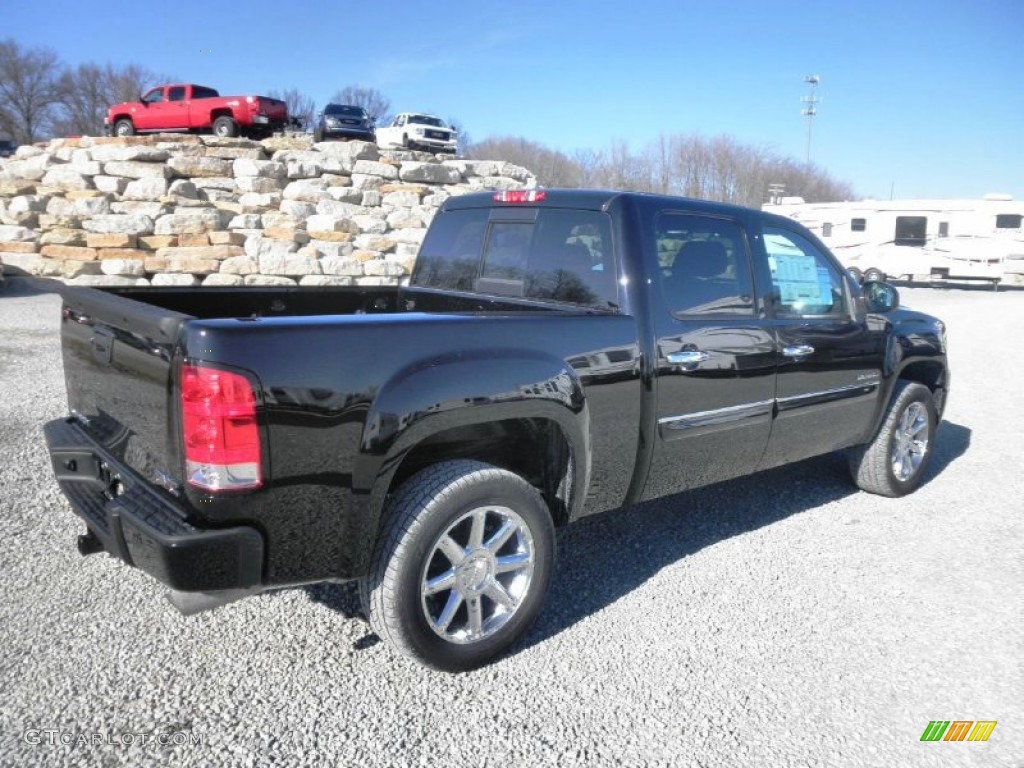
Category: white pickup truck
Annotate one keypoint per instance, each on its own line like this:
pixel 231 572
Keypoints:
pixel 412 130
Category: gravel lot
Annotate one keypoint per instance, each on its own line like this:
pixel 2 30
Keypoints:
pixel 781 620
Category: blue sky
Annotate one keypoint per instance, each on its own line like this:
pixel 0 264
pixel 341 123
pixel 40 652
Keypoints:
pixel 924 98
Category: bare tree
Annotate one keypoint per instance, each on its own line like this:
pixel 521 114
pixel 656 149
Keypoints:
pixel 552 168
pixel 373 101
pixel 28 90
pixel 87 91
pixel 300 106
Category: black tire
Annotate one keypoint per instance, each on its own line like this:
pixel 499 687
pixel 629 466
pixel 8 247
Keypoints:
pixel 124 127
pixel 874 274
pixel 886 465
pixel 225 127
pixel 856 274
pixel 438 506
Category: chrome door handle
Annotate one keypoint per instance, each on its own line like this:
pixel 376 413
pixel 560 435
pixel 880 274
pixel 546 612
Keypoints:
pixel 798 350
pixel 690 357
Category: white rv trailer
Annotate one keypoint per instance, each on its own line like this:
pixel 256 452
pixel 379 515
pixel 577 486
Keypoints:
pixel 941 239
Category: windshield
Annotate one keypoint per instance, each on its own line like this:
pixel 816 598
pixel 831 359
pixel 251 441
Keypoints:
pixel 345 110
pixel 428 120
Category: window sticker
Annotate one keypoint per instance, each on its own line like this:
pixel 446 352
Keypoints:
pixel 800 280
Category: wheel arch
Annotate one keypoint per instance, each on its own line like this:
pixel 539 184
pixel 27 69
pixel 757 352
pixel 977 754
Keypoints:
pixel 522 410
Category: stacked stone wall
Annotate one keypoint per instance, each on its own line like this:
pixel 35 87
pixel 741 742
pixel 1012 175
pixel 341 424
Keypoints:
pixel 200 210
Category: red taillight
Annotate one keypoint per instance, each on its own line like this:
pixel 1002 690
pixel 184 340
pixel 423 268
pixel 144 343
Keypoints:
pixel 219 430
pixel 520 196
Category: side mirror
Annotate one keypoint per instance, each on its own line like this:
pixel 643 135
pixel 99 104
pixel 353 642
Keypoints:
pixel 880 297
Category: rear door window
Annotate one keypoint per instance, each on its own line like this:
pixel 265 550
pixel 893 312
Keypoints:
pixel 555 254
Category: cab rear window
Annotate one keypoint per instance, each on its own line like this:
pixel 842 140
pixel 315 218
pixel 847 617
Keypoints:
pixel 555 254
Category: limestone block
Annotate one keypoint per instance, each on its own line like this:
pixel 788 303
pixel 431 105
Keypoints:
pixel 366 181
pixel 77 252
pixel 194 240
pixel 401 199
pixel 182 280
pixel 189 223
pixel 373 242
pixel 60 206
pixel 346 195
pixel 134 169
pixel 431 173
pixel 138 152
pixel 306 190
pixel 220 279
pixel 404 219
pixel 253 202
pixel 245 221
pixel 341 266
pixel 21 247
pixel 225 183
pixel 259 184
pixel 383 268
pixel 28 204
pixel 153 210
pixel 233 153
pixel 384 170
pixel 267 280
pixel 155 242
pixel 65 178
pixel 94 240
pixel 131 254
pixel 189 167
pixel 63 236
pixel 297 208
pixel 183 188
pixel 325 280
pixel 91 206
pixel 330 248
pixel 112 184
pixel 412 236
pixel 239 265
pixel 227 238
pixel 371 198
pixel 10 234
pixel 262 168
pixel 126 267
pixel 371 225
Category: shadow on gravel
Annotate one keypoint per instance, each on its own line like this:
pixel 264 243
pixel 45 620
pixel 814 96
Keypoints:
pixel 605 557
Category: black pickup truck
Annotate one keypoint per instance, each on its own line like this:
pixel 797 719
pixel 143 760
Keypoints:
pixel 556 354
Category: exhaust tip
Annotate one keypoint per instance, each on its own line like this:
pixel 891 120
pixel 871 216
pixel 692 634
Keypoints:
pixel 191 603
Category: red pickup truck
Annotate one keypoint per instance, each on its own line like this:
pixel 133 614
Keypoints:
pixel 190 107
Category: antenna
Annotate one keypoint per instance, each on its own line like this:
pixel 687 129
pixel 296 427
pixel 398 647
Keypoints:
pixel 809 111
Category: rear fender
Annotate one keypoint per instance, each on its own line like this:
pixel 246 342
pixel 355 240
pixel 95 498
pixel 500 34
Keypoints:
pixel 439 394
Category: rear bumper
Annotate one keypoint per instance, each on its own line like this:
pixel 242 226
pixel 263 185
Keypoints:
pixel 142 527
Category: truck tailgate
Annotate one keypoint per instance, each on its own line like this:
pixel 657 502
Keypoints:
pixel 117 363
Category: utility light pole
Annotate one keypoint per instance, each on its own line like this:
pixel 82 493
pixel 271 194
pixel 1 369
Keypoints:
pixel 809 111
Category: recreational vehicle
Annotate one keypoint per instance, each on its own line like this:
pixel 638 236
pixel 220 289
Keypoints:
pixel 923 239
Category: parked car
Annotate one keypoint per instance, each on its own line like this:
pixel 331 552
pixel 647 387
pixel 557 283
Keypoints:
pixel 412 130
pixel 344 121
pixel 191 107
pixel 558 353
pixel 7 148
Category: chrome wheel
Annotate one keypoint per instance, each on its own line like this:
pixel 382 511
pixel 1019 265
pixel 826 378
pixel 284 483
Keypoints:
pixel 477 574
pixel 910 441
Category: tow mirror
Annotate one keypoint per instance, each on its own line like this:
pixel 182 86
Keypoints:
pixel 880 297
